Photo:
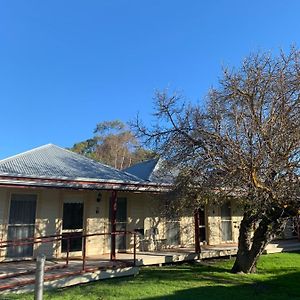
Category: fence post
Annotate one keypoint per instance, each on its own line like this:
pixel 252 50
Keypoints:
pixel 113 218
pixel 68 250
pixel 83 253
pixel 134 248
pixel 39 277
pixel 197 233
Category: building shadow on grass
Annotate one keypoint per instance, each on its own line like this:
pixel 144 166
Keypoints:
pixel 214 282
pixel 280 287
pixel 179 272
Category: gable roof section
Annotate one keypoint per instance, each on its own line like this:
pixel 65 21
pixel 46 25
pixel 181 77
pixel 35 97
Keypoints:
pixel 61 167
pixel 51 161
pixel 143 170
pixel 152 170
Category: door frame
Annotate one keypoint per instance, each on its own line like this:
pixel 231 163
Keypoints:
pixel 63 197
pixel 203 226
pixel 36 223
pixel 170 239
pixel 229 222
pixel 118 237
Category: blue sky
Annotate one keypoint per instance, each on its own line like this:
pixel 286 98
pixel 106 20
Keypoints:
pixel 67 65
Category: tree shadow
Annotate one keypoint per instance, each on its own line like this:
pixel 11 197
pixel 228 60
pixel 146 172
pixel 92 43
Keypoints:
pixel 280 287
pixel 178 272
pixel 212 282
pixel 148 275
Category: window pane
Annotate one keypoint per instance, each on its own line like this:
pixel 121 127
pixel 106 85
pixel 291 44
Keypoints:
pixel 226 211
pixel 22 209
pixel 73 216
pixel 16 233
pixel 75 242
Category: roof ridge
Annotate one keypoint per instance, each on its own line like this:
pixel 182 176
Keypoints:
pixel 155 162
pixel 26 152
pixel 97 162
pixel 143 162
pixel 132 170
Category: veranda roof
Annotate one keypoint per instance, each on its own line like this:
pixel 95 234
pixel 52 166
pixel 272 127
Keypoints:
pixel 53 166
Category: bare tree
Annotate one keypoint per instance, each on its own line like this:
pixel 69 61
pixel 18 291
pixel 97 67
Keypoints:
pixel 243 144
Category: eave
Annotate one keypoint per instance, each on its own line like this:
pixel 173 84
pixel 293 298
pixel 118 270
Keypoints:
pixel 81 184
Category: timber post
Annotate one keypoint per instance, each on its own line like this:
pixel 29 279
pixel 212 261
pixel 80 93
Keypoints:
pixel 113 218
pixel 197 233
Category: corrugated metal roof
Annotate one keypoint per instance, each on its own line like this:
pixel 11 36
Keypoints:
pixel 152 170
pixel 143 169
pixel 51 161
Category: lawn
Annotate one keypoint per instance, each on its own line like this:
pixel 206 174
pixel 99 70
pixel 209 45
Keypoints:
pixel 278 277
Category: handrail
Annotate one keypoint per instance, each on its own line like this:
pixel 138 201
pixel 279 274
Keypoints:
pixel 29 238
pixel 68 237
pixel 60 236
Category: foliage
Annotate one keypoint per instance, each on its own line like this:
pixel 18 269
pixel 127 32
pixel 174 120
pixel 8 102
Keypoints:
pixel 245 144
pixel 278 278
pixel 113 144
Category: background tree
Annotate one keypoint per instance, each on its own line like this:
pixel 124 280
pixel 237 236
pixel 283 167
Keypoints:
pixel 113 144
pixel 243 145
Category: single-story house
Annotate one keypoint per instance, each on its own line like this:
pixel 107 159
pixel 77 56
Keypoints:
pixel 51 191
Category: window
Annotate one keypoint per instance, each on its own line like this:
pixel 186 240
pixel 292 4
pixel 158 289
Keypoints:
pixel 75 240
pixel 73 216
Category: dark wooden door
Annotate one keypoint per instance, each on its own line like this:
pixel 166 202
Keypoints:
pixel 226 222
pixel 72 226
pixel 21 223
pixel 173 232
pixel 121 225
pixel 202 224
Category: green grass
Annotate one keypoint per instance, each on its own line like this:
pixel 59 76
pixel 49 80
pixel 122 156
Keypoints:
pixel 278 277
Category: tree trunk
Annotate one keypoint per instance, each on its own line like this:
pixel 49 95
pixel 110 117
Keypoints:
pixel 246 260
pixel 248 254
pixel 242 259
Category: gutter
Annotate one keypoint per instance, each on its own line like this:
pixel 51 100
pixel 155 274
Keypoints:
pixel 36 182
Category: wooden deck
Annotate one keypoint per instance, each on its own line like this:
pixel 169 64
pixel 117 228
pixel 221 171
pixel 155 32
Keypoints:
pixel 19 276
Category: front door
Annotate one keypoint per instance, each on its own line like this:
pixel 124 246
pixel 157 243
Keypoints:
pixel 202 224
pixel 72 227
pixel 21 223
pixel 226 222
pixel 173 232
pixel 121 224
